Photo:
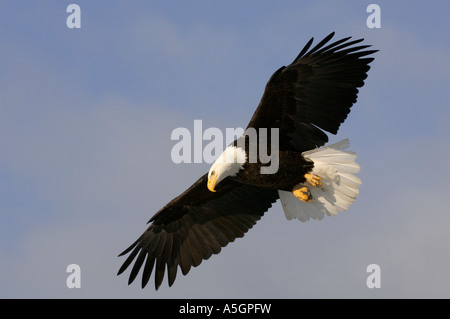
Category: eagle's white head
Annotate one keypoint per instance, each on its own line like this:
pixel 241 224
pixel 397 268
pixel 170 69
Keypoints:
pixel 229 163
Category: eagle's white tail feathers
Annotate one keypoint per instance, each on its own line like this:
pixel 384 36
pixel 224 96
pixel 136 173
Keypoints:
pixel 339 187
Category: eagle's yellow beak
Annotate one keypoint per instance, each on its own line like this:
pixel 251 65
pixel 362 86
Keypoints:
pixel 212 183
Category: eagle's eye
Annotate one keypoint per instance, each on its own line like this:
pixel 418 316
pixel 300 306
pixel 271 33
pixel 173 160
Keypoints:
pixel 213 173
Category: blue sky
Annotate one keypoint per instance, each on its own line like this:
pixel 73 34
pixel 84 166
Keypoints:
pixel 86 117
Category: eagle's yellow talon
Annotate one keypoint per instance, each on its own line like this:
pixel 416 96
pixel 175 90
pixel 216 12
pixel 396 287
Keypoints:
pixel 302 193
pixel 314 180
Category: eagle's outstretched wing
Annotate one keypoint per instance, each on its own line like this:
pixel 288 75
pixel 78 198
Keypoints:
pixel 314 93
pixel 195 225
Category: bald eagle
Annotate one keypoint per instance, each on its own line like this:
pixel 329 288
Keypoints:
pixel 302 100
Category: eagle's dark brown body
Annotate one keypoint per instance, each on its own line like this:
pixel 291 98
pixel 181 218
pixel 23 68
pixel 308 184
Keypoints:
pixel 291 170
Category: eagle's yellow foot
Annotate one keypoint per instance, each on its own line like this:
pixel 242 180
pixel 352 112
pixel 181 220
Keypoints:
pixel 302 193
pixel 314 180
